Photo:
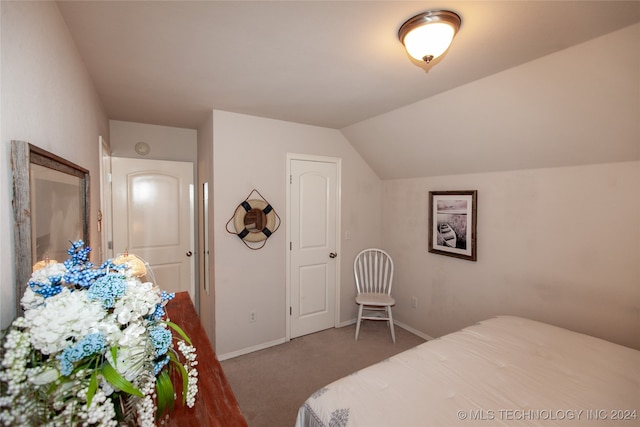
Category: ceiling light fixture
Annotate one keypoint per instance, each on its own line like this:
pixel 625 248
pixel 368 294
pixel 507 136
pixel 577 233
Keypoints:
pixel 428 35
pixel 142 148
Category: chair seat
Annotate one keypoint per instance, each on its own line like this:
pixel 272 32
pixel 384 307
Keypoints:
pixel 375 299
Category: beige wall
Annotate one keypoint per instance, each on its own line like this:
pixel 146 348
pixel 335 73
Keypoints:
pixel 48 100
pixel 577 106
pixel 548 244
pixel 559 245
pixel 250 152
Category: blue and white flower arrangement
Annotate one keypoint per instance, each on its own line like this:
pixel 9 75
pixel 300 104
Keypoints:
pixel 93 348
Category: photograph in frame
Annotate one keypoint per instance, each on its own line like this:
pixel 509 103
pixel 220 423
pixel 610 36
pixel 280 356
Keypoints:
pixel 452 223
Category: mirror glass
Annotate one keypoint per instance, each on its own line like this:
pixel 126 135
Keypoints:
pixel 255 220
pixel 56 217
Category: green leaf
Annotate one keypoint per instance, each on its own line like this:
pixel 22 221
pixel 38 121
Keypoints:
pixel 114 354
pixel 165 393
pixel 118 381
pixel 179 330
pixel 183 373
pixel 54 385
pixel 93 386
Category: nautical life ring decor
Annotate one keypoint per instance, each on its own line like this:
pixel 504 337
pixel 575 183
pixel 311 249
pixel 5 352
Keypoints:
pixel 254 221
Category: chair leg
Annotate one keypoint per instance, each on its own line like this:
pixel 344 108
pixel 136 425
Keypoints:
pixel 359 320
pixel 393 333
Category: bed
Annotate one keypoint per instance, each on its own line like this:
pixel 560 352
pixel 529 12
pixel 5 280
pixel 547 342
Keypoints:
pixel 506 371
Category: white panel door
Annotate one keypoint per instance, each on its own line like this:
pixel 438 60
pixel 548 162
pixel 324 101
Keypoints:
pixel 153 218
pixel 313 224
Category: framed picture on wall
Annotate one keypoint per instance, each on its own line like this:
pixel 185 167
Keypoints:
pixel 452 223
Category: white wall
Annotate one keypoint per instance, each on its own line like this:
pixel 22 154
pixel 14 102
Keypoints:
pixel 559 245
pixel 250 152
pixel 205 174
pixel 6 310
pixel 48 100
pixel 165 142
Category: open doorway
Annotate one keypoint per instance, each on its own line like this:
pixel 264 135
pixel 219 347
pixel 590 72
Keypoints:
pixel 153 206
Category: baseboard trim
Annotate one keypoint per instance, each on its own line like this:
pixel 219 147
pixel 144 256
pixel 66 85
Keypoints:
pixel 266 345
pixel 413 331
pixel 395 322
pixel 250 349
pixel 347 323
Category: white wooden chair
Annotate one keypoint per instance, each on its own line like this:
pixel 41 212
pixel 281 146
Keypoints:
pixel 373 269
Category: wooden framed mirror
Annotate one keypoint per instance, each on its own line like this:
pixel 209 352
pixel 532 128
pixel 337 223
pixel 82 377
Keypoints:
pixel 50 208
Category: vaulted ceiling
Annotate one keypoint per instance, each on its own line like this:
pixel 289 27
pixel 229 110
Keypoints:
pixel 324 63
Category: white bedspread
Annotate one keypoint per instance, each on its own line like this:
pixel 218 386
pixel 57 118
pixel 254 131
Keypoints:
pixel 505 371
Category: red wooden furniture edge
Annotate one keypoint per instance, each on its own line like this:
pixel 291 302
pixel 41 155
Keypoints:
pixel 216 404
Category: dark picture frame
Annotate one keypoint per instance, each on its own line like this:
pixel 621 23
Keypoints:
pixel 452 223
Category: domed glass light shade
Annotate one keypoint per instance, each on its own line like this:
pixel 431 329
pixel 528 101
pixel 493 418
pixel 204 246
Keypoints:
pixel 428 35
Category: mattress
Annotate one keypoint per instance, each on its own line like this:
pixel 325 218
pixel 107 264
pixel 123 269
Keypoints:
pixel 505 371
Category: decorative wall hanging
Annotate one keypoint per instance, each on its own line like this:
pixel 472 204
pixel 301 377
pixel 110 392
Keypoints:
pixel 452 223
pixel 254 221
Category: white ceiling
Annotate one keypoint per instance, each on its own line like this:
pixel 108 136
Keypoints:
pixel 325 63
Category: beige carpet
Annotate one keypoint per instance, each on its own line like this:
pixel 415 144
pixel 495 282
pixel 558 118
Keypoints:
pixel 271 384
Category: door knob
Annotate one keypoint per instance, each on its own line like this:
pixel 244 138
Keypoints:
pixel 189 253
pixel 333 255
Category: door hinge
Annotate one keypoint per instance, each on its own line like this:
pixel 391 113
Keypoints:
pixel 109 177
pixel 290 311
pixel 290 179
pixel 290 246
